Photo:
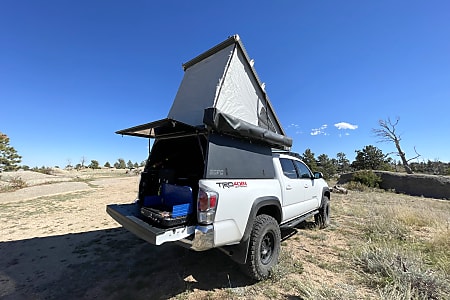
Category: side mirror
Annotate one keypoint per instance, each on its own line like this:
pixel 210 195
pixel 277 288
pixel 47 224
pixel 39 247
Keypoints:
pixel 318 175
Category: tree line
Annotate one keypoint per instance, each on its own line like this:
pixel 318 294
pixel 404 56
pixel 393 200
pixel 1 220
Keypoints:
pixel 368 158
pixel 94 164
pixel 10 160
pixel 119 164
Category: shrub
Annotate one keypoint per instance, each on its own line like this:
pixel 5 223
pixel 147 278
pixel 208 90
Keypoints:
pixel 14 183
pixel 367 178
pixel 17 183
pixel 400 273
pixel 437 249
pixel 357 186
pixel 385 228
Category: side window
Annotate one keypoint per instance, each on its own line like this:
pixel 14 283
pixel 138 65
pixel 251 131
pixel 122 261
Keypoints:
pixel 288 168
pixel 303 170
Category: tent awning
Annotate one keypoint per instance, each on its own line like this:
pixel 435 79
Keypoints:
pixel 227 124
pixel 164 128
pixel 212 119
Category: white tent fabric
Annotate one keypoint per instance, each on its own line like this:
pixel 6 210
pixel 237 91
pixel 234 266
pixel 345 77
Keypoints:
pixel 238 96
pixel 199 88
pixel 223 78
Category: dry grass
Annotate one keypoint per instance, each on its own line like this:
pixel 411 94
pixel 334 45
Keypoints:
pixel 380 245
pixel 401 246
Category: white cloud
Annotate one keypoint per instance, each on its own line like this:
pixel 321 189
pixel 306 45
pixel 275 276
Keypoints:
pixel 295 127
pixel 346 134
pixel 344 125
pixel 318 131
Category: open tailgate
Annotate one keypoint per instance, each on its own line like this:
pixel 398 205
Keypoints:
pixel 128 215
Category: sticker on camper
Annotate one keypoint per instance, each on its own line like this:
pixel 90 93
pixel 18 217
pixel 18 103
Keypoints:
pixel 217 172
pixel 231 184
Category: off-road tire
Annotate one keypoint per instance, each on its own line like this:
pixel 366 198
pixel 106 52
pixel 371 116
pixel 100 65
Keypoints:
pixel 322 219
pixel 264 248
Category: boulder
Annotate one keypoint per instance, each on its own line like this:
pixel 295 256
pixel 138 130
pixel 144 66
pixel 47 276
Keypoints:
pixel 432 186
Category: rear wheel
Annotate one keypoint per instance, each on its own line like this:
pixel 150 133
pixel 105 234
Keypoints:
pixel 264 247
pixel 322 219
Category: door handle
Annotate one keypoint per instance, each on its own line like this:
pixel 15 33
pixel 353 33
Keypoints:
pixel 288 187
pixel 306 186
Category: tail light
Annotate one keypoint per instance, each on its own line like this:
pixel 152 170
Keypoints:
pixel 206 206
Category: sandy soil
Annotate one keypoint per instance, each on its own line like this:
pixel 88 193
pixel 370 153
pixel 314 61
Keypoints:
pixel 57 242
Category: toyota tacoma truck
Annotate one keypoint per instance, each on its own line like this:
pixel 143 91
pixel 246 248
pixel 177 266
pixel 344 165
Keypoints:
pixel 207 190
pixel 220 173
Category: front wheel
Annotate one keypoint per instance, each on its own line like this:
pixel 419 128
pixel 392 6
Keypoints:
pixel 322 219
pixel 264 248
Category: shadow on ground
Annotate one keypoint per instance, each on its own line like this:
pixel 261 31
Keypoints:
pixel 109 264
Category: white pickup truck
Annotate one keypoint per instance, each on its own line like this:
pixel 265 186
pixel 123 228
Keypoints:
pixel 208 190
pixel 212 179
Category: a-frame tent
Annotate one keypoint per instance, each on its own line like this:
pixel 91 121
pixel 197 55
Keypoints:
pixel 221 90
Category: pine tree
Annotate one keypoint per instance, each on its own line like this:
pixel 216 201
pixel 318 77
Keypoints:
pixel 94 164
pixel 309 159
pixel 130 164
pixel 370 158
pixel 8 155
pixel 120 164
pixel 343 163
pixel 326 165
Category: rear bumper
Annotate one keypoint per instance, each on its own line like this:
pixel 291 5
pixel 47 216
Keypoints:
pixel 197 238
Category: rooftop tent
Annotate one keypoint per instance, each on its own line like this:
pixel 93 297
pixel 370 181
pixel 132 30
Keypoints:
pixel 224 78
pixel 220 89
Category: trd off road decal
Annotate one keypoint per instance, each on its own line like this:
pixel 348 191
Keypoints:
pixel 231 184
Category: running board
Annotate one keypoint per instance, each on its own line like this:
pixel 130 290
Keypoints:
pixel 298 220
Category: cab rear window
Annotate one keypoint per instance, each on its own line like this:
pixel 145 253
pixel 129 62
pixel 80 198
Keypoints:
pixel 288 168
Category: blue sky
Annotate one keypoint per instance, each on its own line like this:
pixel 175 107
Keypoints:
pixel 74 72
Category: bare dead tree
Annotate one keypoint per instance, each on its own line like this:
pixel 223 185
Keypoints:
pixel 387 133
pixel 82 161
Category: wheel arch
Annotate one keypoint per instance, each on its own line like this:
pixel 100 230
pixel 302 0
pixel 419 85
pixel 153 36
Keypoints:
pixel 325 193
pixel 322 218
pixel 269 205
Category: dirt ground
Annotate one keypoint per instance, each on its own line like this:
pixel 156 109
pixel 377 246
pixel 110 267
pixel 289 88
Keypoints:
pixel 57 242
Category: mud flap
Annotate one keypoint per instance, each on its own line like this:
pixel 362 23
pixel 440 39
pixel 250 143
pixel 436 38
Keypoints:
pixel 238 252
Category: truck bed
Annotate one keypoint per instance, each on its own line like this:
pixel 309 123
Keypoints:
pixel 129 216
